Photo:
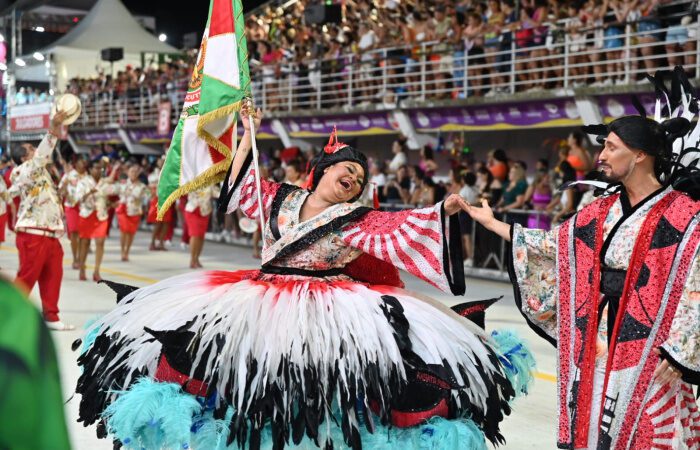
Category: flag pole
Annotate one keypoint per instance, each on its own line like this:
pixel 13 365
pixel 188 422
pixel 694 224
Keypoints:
pixel 261 211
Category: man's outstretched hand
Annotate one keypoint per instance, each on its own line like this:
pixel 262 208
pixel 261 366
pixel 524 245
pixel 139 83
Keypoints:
pixel 456 203
pixel 483 215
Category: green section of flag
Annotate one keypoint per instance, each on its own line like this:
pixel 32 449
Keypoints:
pixel 194 162
pixel 219 95
pixel 169 180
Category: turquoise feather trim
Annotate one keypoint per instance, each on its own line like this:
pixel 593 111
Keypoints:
pixel 436 434
pixel 152 415
pixel 517 360
pixel 155 415
pixel 91 334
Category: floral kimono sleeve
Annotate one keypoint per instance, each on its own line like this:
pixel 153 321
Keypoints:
pixel 424 242
pixel 533 273
pixel 242 193
pixel 682 348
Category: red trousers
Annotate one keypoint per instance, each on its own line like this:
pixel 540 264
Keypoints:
pixel 3 222
pixel 41 260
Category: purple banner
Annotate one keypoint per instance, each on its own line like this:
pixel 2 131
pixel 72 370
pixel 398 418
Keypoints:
pixel 614 106
pixel 147 136
pixel 108 136
pixel 265 131
pixel 540 113
pixel 366 124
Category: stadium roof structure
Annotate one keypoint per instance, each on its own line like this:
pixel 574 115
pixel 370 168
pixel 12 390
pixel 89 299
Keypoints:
pixel 27 5
pixel 110 24
pixel 77 54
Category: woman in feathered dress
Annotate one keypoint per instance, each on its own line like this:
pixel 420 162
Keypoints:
pixel 301 353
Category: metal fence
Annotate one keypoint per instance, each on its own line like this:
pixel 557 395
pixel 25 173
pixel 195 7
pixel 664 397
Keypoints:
pixel 135 108
pixel 432 71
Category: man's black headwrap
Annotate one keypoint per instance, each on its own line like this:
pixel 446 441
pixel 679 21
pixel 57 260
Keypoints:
pixel 653 138
pixel 672 142
pixel 658 137
pixel 333 153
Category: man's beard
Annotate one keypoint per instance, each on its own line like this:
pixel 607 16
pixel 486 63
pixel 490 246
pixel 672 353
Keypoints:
pixel 602 176
pixel 612 179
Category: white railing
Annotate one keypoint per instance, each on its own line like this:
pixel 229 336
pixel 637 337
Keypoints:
pixel 108 108
pixel 350 81
pixel 458 75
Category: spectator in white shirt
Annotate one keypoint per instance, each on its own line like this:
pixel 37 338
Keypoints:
pixel 398 148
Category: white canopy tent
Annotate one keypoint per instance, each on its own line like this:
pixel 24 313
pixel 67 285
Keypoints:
pixel 78 53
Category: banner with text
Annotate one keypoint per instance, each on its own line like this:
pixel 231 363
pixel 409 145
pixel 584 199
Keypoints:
pixel 30 117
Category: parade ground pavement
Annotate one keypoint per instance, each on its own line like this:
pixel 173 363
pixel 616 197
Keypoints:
pixel 531 425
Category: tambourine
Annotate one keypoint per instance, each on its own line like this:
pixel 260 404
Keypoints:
pixel 69 104
pixel 247 225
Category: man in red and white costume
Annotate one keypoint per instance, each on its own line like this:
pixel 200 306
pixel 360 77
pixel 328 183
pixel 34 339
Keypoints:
pixel 40 224
pixel 616 289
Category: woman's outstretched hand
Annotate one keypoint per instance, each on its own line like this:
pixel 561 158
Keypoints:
pixel 454 204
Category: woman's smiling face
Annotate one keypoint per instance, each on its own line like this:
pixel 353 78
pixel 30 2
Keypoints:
pixel 341 182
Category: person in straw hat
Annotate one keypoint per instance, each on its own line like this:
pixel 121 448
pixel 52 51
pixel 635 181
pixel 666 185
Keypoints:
pixel 39 222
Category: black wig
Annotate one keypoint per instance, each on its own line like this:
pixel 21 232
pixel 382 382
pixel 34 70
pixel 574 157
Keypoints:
pixel 653 138
pixel 324 160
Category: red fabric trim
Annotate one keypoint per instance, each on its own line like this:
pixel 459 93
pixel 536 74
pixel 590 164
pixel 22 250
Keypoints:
pixel 221 18
pixel 472 309
pixel 639 253
pixel 581 265
pixel 219 277
pixel 679 210
pixel 432 379
pixel 403 419
pixel 166 373
pixel 588 298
